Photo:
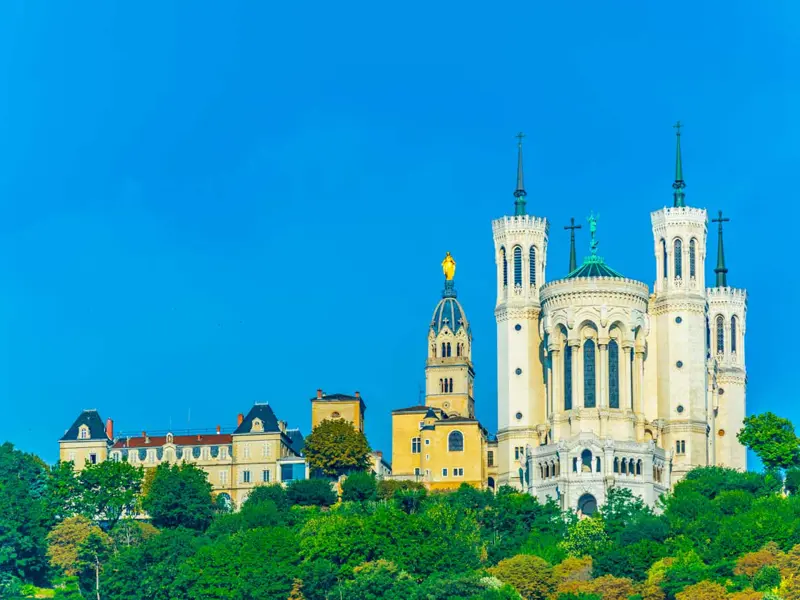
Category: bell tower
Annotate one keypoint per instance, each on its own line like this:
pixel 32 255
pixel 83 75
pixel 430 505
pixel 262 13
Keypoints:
pixel 520 245
pixel 679 311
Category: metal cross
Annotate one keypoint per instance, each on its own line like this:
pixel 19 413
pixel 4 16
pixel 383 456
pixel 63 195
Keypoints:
pixel 678 127
pixel 720 220
pixel 572 226
pixel 519 136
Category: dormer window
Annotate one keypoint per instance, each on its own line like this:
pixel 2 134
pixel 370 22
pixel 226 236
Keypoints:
pixel 83 432
pixel 258 425
pixel 169 438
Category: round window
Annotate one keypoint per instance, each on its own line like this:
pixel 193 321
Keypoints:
pixel 678 320
pixel 721 433
pixel 721 391
pixel 517 326
pixel 679 364
pixel 680 408
pixel 445 405
pixel 335 415
pixel 518 371
pixel 518 416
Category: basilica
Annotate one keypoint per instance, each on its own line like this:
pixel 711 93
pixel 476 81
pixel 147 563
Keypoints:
pixel 603 381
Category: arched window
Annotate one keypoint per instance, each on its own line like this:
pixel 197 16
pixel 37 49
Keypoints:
pixel 692 258
pixel 533 265
pixel 441 386
pixel 613 374
pixel 597 464
pixel 83 433
pixel 616 465
pixel 587 504
pixel 589 399
pixel 586 461
pixel 567 377
pixel 720 335
pixel 624 469
pixel 455 441
pixel 575 464
pixel 678 258
pixel 733 334
pixel 458 349
pixel 546 471
pixel 444 350
pixel 664 258
pixel 448 350
pixel 505 265
pixel 639 467
pixel 517 265
pixel 451 384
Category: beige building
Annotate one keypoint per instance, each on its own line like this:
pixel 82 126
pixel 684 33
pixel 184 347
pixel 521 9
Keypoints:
pixel 603 381
pixel 261 449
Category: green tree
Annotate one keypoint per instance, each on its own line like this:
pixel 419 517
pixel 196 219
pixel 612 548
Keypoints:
pixel 109 489
pixel 256 564
pixel 179 496
pixel 92 554
pixel 379 580
pixel 586 537
pixel 149 571
pixel 531 576
pixel 335 447
pixel 63 491
pixel 792 483
pixel 273 492
pixel 24 516
pixel 773 439
pixel 311 492
pixel 359 487
pixel 65 541
pixel 252 516
pixel 387 488
pixel 621 510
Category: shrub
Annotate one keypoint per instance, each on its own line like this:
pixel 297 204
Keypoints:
pixel 311 492
pixel 359 487
pixel 531 576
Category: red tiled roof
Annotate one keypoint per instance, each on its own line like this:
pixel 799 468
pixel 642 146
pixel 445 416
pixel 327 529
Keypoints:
pixel 179 440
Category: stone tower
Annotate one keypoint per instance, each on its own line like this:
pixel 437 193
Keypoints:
pixel 727 315
pixel 679 314
pixel 520 244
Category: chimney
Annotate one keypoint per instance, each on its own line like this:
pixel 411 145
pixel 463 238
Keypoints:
pixel 110 429
pixel 218 429
pixel 146 439
pixel 282 426
pixel 379 454
pixel 319 394
pixel 358 394
pixel 199 437
pixel 239 419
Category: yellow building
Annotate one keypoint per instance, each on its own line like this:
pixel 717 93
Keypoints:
pixel 261 449
pixel 338 406
pixel 441 443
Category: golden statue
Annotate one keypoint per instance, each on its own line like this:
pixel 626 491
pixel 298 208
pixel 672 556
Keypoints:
pixel 449 267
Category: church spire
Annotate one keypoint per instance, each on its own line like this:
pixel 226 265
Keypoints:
pixel 721 270
pixel 679 184
pixel 519 193
pixel 573 263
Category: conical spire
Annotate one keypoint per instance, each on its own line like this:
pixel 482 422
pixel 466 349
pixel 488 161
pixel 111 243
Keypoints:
pixel 721 270
pixel 678 195
pixel 573 262
pixel 519 193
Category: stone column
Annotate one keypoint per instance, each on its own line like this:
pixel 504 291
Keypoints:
pixel 638 381
pixel 626 394
pixel 556 373
pixel 601 373
pixel 577 373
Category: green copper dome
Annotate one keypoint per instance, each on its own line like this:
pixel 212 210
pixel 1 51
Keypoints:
pixel 593 266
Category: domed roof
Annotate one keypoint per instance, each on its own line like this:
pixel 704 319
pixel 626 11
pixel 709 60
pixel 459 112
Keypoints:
pixel 449 313
pixel 594 266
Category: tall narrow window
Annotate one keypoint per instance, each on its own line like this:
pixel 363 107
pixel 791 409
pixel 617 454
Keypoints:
pixel 733 334
pixel 505 266
pixel 567 377
pixel 517 265
pixel 586 461
pixel 678 258
pixel 589 398
pixel 693 258
pixel 444 350
pixel 415 445
pixel 455 442
pixel 613 374
pixel 533 265
pixel 448 349
pixel 663 258
pixel 720 335
pixel 632 363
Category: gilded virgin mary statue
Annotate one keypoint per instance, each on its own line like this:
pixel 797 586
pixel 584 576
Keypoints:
pixel 449 267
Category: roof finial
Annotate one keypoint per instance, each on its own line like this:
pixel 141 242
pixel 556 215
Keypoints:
pixel 573 263
pixel 449 269
pixel 721 270
pixel 519 193
pixel 592 230
pixel 679 184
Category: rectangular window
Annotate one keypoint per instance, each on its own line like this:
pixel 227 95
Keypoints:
pixel 519 452
pixel 151 456
pixel 72 456
pixel 206 453
pixel 427 457
pixel 247 450
pixel 266 450
pixel 680 447
pixel 245 476
pixel 427 472
pixel 286 473
pixel 491 458
pixel 223 477
pixel 427 442
pixel 223 452
pixel 93 459
pixel 416 471
pixel 458 472
pixel 444 472
pixel 265 475
pixel 415 445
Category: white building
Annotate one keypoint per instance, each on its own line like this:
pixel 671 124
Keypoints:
pixel 603 382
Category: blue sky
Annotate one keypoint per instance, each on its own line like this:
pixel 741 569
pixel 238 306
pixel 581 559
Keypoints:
pixel 205 205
